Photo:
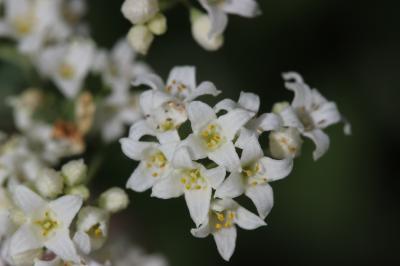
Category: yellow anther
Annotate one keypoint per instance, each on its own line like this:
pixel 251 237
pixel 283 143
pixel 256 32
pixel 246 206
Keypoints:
pixel 95 231
pixel 183 180
pixel 149 165
pixel 66 71
pixel 188 187
pixel 218 226
pixel 47 225
pixel 154 174
pixel 198 187
pixel 220 217
pixel 231 215
pixel 227 224
pixel 23 24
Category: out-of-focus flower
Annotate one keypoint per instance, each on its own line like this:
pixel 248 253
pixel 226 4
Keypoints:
pixel 221 222
pixel 74 172
pixel 69 132
pixel 67 65
pixel 218 10
pixel 140 38
pixel 85 109
pixel 114 200
pixel 201 26
pixel 139 11
pixel 49 183
pixel 46 224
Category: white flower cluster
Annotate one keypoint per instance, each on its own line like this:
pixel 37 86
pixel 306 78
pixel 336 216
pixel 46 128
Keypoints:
pixel 207 29
pixel 37 214
pixel 220 157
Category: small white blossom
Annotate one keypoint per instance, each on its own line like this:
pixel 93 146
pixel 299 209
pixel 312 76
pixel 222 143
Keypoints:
pixel 114 200
pixel 201 26
pixel 74 172
pixel 254 179
pixel 49 183
pixel 285 143
pixel 158 24
pixel 46 224
pixel 221 222
pixel 140 38
pixel 218 10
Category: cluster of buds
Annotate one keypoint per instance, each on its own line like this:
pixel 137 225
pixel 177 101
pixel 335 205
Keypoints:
pixel 220 158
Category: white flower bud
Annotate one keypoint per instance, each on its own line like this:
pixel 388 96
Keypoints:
pixel 81 191
pixel 279 107
pixel 114 200
pixel 158 24
pixel 201 25
pixel 74 172
pixel 49 183
pixel 140 38
pixel 93 222
pixel 139 11
pixel 285 143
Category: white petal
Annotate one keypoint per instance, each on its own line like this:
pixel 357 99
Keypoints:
pixel 168 149
pixel 226 156
pixel 151 80
pixel 185 75
pixel 198 202
pixel 141 179
pixel 249 101
pixel 290 118
pixel 62 245
pixel 200 115
pixel 225 105
pixel 167 188
pixel 248 220
pixel 252 152
pixel 233 121
pixel 182 159
pixel 321 141
pixel 266 122
pixel 302 93
pixel 168 137
pixel 28 200
pixel 226 242
pixel 82 241
pixel 196 148
pixel 219 20
pixel 276 169
pixel 139 129
pixel 202 231
pixel 215 176
pixel 245 135
pixel 205 88
pixel 135 149
pixel 244 8
pixel 232 187
pixel 263 198
pixel 66 208
pixel 328 114
pixel 24 240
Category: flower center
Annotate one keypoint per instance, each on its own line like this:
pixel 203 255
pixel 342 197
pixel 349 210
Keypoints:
pixel 223 219
pixel 170 116
pixel 157 163
pixel 177 88
pixel 253 174
pixel 305 119
pixel 48 224
pixel 66 71
pixel 95 231
pixel 193 180
pixel 212 136
pixel 23 25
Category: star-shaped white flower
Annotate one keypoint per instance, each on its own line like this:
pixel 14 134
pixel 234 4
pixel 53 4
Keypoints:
pixel 258 171
pixel 192 180
pixel 46 224
pixel 314 111
pixel 221 222
pixel 213 136
pixel 218 11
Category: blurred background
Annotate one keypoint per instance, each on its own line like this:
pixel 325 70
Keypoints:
pixel 341 210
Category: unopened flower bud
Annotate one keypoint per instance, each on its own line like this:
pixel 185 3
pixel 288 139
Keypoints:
pixel 201 26
pixel 279 107
pixel 74 172
pixel 285 143
pixel 114 200
pixel 140 38
pixel 139 11
pixel 81 191
pixel 49 183
pixel 158 24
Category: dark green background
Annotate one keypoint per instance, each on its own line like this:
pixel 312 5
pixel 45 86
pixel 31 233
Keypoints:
pixel 341 210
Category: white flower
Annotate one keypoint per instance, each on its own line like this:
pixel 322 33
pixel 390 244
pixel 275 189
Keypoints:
pixel 49 183
pixel 140 38
pixel 181 84
pixel 221 222
pixel 114 200
pixel 314 111
pixel 257 172
pixel 218 10
pixel 192 180
pixel 67 65
pixel 74 172
pixel 92 229
pixel 285 143
pixel 201 26
pixel 212 137
pixel 6 205
pixel 139 11
pixel 154 163
pixel 32 22
pixel 46 224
